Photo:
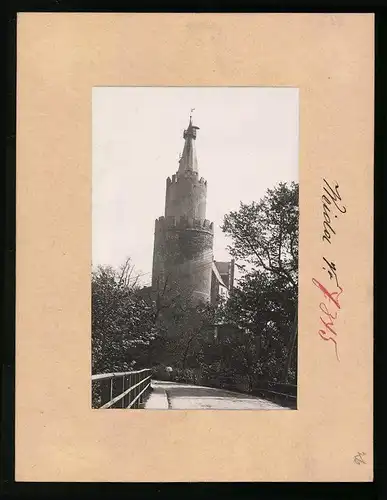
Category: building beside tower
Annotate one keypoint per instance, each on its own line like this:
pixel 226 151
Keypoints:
pixel 183 259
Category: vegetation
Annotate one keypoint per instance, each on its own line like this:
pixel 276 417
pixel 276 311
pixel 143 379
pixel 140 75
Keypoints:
pixel 265 239
pixel 123 326
pixel 257 341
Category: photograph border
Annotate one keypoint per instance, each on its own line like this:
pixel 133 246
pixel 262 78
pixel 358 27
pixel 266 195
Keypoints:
pixel 358 490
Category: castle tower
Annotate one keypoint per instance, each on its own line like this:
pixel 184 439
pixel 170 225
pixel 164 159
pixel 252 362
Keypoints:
pixel 183 244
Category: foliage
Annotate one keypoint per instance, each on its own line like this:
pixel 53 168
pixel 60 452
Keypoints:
pixel 265 233
pixel 265 237
pixel 186 326
pixel 163 327
pixel 122 321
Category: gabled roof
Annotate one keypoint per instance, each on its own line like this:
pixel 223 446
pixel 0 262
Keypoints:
pixel 218 276
pixel 223 267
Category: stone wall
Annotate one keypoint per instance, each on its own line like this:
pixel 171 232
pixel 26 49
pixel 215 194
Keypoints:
pixel 183 255
pixel 186 194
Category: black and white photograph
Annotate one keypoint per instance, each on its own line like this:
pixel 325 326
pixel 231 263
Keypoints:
pixel 195 218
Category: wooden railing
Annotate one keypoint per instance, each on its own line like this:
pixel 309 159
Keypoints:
pixel 121 390
pixel 278 393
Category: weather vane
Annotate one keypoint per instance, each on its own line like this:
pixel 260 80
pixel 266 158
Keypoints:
pixel 192 109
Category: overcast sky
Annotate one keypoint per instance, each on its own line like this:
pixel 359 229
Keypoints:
pixel 247 142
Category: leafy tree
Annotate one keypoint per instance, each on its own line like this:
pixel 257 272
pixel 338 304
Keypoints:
pixel 182 323
pixel 265 239
pixel 122 321
pixel 185 325
pixel 265 233
pixel 135 327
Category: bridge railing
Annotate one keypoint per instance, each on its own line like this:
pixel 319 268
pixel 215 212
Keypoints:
pixel 283 394
pixel 121 390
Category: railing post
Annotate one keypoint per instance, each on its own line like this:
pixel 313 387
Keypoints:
pixel 136 390
pixel 123 390
pixel 105 391
pixel 126 398
pixel 142 376
pixel 139 390
pixel 130 399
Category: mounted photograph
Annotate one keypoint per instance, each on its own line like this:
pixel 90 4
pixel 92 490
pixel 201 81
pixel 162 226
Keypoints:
pixel 195 223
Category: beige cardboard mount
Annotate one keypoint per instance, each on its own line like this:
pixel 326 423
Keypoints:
pixel 61 57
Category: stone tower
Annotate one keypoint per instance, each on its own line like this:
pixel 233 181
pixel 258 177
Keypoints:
pixel 183 243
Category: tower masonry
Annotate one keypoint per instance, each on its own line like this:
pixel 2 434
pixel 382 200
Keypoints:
pixel 183 242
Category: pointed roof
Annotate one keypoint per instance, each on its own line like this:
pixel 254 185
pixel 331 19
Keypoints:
pixel 188 160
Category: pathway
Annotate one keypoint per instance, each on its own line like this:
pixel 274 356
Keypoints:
pixel 175 396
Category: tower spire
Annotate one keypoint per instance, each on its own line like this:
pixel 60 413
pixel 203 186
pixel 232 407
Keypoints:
pixel 188 161
pixel 183 244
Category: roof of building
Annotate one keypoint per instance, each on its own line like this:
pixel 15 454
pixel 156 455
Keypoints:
pixel 223 267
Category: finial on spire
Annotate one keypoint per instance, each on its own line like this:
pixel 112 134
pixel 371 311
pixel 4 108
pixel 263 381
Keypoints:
pixel 188 161
pixel 191 130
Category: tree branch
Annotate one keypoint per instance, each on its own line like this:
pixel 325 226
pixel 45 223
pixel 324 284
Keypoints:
pixel 280 243
pixel 292 248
